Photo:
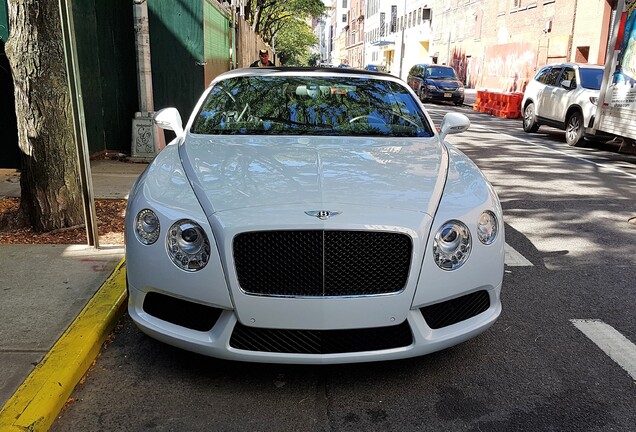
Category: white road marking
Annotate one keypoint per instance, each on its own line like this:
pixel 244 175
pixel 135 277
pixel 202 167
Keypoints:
pixel 514 258
pixel 614 344
pixel 557 151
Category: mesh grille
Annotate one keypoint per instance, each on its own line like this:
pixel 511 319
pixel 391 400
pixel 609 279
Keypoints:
pixel 320 341
pixel 322 263
pixel 453 311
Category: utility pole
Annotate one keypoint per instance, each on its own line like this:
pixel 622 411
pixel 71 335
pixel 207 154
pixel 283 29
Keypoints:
pixel 147 140
pixel 235 31
pixel 79 122
pixel 402 43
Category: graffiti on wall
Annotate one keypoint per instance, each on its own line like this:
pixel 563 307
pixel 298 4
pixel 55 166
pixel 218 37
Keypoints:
pixel 459 63
pixel 626 41
pixel 508 67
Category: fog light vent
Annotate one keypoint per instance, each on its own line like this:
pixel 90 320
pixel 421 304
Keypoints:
pixel 181 312
pixel 456 310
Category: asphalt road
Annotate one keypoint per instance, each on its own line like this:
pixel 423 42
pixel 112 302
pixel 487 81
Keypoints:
pixel 566 213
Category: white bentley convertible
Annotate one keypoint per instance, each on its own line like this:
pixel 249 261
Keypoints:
pixel 312 216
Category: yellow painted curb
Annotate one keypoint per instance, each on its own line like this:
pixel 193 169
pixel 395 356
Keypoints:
pixel 40 398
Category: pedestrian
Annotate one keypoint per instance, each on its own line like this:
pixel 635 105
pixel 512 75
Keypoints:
pixel 263 59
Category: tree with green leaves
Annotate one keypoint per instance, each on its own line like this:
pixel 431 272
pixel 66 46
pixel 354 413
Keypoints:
pixel 293 42
pixel 276 21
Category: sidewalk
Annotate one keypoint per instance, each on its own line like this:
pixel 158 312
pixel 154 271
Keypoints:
pixel 470 95
pixel 44 292
pixel 111 179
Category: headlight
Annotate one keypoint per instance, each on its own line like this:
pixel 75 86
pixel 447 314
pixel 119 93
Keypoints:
pixel 487 227
pixel 431 87
pixel 188 246
pixel 451 245
pixel 147 227
pixel 460 89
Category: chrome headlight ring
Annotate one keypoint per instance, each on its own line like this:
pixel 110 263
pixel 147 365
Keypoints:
pixel 188 245
pixel 147 227
pixel 487 227
pixel 452 245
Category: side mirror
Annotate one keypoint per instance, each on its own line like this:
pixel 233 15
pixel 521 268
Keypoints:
pixel 453 123
pixel 169 118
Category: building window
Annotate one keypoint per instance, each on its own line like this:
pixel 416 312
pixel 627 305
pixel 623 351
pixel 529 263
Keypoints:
pixel 344 18
pixel 393 19
pixel 478 18
pixel 582 54
pixel 410 14
pixel 426 14
pixel 419 16
pixel 344 4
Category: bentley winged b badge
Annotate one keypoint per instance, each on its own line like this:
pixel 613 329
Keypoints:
pixel 322 214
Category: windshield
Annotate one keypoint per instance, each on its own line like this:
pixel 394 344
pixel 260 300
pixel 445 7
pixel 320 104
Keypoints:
pixel 297 105
pixel 591 78
pixel 440 72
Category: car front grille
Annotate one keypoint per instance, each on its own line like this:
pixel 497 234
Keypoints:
pixel 316 263
pixel 456 310
pixel 320 341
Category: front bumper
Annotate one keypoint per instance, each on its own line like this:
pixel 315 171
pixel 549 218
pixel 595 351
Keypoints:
pixel 217 341
pixel 444 95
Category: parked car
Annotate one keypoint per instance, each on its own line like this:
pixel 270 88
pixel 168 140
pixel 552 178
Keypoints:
pixel 563 96
pixel 433 82
pixel 374 68
pixel 312 216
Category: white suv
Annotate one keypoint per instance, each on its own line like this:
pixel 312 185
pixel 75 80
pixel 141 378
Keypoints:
pixel 563 96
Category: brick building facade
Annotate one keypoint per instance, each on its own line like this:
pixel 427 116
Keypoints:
pixel 494 44
pixel 499 44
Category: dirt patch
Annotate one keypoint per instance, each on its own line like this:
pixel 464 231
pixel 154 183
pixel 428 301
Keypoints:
pixel 110 225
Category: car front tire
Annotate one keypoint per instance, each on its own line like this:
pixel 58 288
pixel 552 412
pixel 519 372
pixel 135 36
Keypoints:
pixel 529 121
pixel 574 129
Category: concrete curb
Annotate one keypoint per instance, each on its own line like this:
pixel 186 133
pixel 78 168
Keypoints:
pixel 42 395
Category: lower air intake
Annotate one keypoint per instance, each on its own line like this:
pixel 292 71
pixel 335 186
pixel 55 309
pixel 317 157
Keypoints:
pixel 320 341
pixel 181 312
pixel 456 310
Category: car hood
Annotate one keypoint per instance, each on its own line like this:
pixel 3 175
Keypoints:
pixel 236 172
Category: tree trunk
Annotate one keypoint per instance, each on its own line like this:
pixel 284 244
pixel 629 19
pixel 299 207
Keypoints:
pixel 51 196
